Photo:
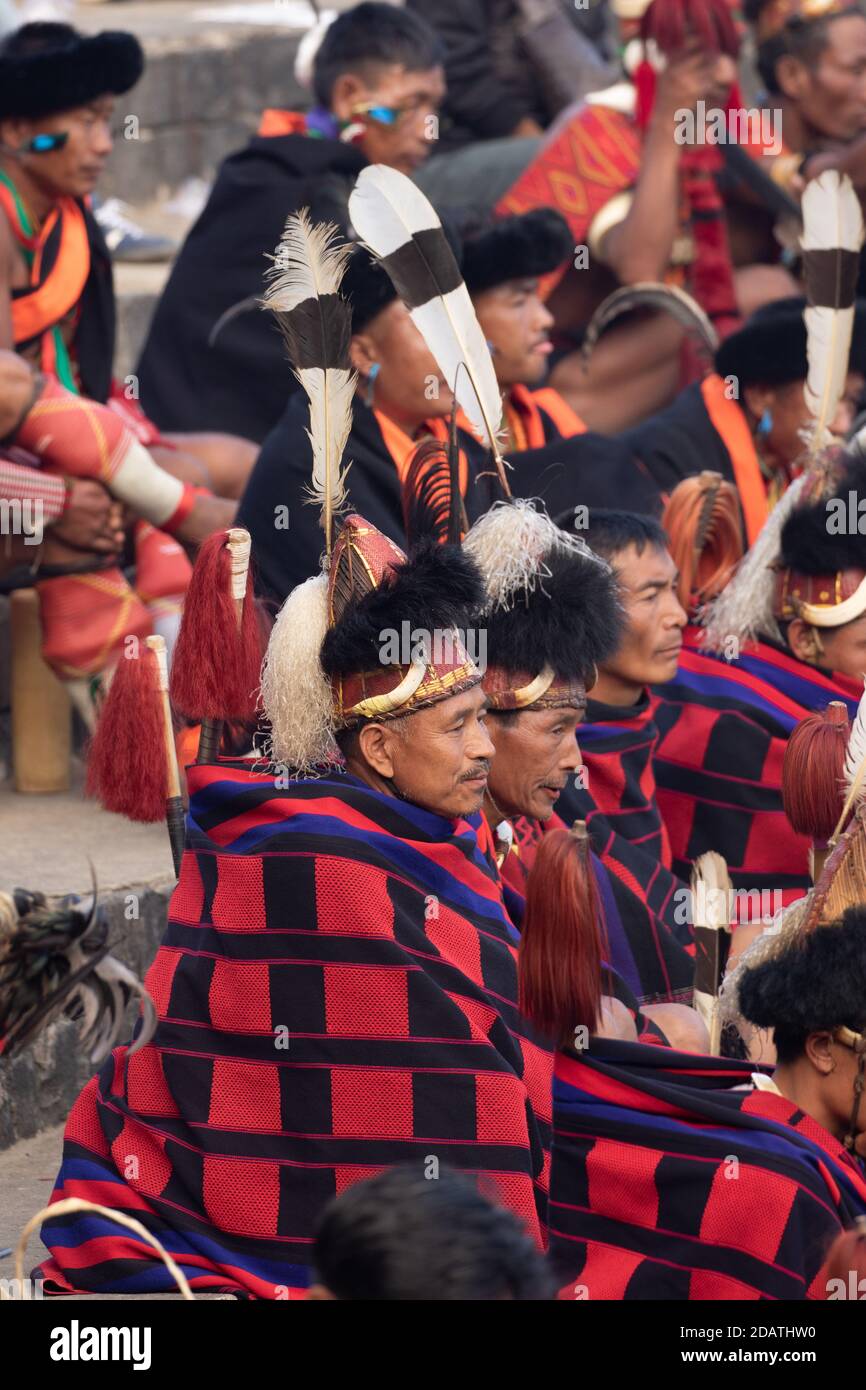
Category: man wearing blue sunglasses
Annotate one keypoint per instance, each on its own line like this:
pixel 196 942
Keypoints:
pixel 212 359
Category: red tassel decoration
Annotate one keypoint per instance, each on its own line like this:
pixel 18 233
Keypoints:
pixel 813 772
pixel 560 957
pixel 217 661
pixel 126 769
pixel 702 521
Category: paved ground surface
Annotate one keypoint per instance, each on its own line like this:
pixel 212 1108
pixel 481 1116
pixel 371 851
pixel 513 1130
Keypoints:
pixel 27 1173
pixel 177 19
pixel 46 841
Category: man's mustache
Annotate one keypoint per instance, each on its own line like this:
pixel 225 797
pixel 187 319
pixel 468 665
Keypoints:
pixel 481 769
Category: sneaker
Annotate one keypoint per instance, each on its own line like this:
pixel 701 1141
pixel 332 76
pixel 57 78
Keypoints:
pixel 125 239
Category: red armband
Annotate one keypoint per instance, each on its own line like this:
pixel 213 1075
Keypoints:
pixel 183 508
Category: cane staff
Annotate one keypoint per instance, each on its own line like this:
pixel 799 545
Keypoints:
pixel 174 813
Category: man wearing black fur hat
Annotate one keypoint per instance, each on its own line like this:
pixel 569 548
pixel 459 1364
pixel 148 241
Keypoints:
pixel 502 265
pixel 355 914
pixel 57 92
pixel 552 617
pixel 745 420
pixel 783 639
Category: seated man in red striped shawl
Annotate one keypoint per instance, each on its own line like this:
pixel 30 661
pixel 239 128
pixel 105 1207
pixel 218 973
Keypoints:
pixel 615 789
pixel 553 617
pixel 337 986
pixel 784 638
pixel 738 1182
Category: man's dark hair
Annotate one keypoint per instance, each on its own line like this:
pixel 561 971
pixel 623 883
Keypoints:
pixel 801 38
pixel 405 1237
pixel 611 531
pixel 817 985
pixel 373 35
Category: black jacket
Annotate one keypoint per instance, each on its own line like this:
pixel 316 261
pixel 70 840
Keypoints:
pixel 242 382
pixel 679 442
pixel 587 469
pixel 509 59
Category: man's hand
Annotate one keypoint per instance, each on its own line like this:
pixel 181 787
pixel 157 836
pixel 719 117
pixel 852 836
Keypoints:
pixel 687 78
pixel 91 520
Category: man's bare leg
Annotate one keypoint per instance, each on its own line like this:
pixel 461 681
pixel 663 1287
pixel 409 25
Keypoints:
pixel 227 459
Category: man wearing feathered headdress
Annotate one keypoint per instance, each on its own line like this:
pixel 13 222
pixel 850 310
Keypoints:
pixel 337 991
pixel 401 399
pixel 552 616
pixel 690 1226
pixel 783 638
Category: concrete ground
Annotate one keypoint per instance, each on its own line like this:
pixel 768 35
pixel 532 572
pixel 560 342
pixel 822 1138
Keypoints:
pixel 46 842
pixel 27 1173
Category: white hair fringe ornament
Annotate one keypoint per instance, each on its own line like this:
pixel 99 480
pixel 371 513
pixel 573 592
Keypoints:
pixel 508 543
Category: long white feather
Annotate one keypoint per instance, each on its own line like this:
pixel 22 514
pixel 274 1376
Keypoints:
pixel 386 208
pixel 508 544
pixel 308 269
pixel 832 221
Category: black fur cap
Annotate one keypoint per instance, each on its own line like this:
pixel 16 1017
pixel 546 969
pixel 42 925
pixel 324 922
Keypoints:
pixel 571 621
pixel 770 348
pixel 516 248
pixel 47 67
pixel 438 588
pixel 809 547
pixel 817 985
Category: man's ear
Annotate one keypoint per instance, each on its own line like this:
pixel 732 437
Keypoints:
pixel 362 353
pixel 347 91
pixel 374 742
pixel 14 133
pixel 819 1050
pixel 757 399
pixel 792 77
pixel 804 641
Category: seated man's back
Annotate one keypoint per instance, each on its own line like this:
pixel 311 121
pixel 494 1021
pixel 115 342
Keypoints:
pixel 377 84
